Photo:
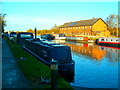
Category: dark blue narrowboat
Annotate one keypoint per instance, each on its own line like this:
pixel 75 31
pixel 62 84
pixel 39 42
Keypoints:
pixel 22 36
pixel 47 37
pixel 46 51
pixel 12 35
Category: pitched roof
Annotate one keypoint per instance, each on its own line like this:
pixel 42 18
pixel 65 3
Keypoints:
pixel 81 23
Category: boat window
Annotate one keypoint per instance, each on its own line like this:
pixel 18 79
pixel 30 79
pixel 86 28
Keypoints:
pixel 106 39
pixel 111 39
pixel 116 40
pixel 25 35
pixel 102 39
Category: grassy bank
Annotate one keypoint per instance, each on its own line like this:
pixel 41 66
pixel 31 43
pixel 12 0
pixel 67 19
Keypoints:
pixel 34 69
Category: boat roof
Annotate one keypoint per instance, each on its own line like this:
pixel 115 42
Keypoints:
pixel 52 44
pixel 108 38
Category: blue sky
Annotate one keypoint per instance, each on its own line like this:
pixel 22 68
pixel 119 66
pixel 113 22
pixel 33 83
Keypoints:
pixel 22 16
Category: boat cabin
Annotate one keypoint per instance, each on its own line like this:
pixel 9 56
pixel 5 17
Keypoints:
pixel 109 39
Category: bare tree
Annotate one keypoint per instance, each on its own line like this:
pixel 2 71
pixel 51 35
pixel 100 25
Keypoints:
pixel 111 20
pixel 2 22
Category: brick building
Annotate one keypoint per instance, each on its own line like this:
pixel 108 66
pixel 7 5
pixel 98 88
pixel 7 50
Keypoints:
pixel 95 26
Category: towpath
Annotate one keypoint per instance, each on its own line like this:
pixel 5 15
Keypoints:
pixel 12 77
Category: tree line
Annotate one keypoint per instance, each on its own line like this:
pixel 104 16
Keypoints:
pixel 112 21
pixel 45 31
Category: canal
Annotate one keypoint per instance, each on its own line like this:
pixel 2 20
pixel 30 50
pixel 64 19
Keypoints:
pixel 95 66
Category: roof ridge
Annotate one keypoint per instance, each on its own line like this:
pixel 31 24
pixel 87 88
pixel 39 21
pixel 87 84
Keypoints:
pixel 82 20
pixel 90 19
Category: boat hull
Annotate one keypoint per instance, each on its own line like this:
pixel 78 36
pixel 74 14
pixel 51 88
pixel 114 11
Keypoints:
pixel 109 44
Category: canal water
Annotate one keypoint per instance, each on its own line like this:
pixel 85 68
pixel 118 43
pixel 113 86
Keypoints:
pixel 95 66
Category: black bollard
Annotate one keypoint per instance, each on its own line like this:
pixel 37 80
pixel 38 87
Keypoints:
pixel 54 74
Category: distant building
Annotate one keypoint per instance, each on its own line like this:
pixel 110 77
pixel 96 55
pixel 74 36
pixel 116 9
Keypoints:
pixel 95 26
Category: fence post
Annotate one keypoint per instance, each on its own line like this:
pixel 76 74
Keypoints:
pixel 54 74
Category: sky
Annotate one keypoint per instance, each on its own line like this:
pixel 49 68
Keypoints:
pixel 22 16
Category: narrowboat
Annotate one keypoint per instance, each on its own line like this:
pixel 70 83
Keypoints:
pixel 110 42
pixel 20 37
pixel 46 51
pixel 47 37
pixel 60 36
pixel 79 39
pixel 12 34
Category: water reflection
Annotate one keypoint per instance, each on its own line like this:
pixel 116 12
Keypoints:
pixel 87 49
pixel 92 50
pixel 95 66
pixel 111 53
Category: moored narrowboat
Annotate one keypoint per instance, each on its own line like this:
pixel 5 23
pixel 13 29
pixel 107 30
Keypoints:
pixel 111 42
pixel 46 51
pixel 79 39
pixel 12 34
pixel 47 37
pixel 60 36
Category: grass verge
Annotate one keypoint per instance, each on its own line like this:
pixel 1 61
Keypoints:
pixel 33 69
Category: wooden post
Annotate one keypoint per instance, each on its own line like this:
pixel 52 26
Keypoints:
pixel 54 74
pixel 35 33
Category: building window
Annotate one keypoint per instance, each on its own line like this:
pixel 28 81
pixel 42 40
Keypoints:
pixel 90 27
pixel 83 27
pixel 77 28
